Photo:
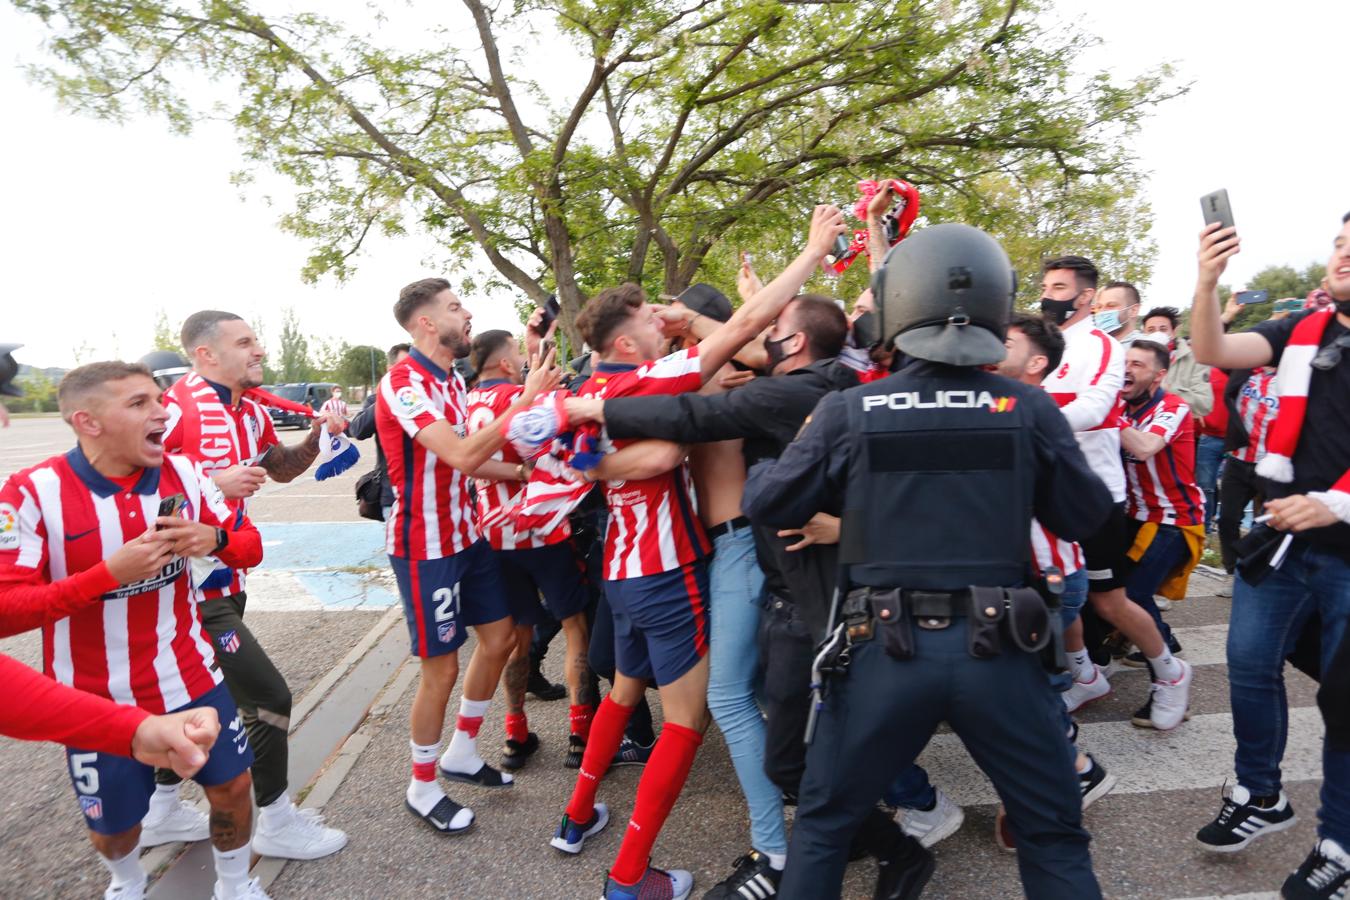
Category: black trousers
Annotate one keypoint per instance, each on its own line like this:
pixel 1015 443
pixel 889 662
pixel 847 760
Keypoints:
pixel 786 650
pixel 1237 488
pixel 259 691
pixel 879 718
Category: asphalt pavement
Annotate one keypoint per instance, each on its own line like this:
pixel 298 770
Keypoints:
pixel 322 604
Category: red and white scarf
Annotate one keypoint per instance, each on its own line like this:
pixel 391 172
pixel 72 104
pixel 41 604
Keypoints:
pixel 1292 379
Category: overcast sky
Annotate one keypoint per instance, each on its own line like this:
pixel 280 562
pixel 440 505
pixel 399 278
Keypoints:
pixel 106 224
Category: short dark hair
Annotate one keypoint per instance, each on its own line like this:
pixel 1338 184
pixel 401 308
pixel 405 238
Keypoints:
pixel 607 312
pixel 1082 268
pixel 79 383
pixel 1345 218
pixel 1170 313
pixel 395 350
pixel 201 327
pixel 1160 353
pixel 416 295
pixel 487 345
pixel 823 323
pixel 1044 336
pixel 1126 287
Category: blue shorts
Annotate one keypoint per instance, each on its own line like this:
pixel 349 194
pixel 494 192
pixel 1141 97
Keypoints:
pixel 114 791
pixel 557 572
pixel 443 597
pixel 660 622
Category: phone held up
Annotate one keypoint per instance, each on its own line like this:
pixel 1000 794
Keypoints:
pixel 1217 209
pixel 1245 297
pixel 551 310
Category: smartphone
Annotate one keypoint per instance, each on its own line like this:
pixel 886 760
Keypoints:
pixel 1245 297
pixel 1216 209
pixel 1289 305
pixel 170 507
pixel 551 309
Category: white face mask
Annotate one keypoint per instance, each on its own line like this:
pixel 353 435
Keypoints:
pixel 1107 320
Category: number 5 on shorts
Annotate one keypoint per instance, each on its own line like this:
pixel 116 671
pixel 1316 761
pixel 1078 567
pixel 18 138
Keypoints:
pixel 83 773
pixel 447 603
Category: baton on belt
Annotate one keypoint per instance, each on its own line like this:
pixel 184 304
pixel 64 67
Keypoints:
pixel 835 636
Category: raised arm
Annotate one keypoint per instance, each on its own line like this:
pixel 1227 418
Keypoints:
pixel 759 311
pixel 1245 350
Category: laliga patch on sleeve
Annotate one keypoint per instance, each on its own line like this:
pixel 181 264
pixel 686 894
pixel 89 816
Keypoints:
pixel 411 402
pixel 9 527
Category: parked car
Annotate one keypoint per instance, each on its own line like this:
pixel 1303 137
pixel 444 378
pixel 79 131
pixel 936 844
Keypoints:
pixel 311 393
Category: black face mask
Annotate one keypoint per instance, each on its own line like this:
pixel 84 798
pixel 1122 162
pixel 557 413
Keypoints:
pixel 1059 311
pixel 1343 307
pixel 774 351
pixel 865 331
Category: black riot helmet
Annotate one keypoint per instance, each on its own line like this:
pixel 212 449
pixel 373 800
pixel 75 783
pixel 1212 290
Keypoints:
pixel 8 369
pixel 165 366
pixel 945 294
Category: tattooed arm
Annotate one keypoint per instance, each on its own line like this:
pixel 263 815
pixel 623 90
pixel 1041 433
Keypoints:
pixel 285 464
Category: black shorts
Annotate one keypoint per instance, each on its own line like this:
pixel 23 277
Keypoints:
pixel 1108 565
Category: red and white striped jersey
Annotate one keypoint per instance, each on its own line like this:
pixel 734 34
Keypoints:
pixel 433 516
pixel 1085 386
pixel 334 405
pixel 653 522
pixel 1048 549
pixel 1162 488
pixel 144 644
pixel 497 500
pixel 1257 405
pixel 207 429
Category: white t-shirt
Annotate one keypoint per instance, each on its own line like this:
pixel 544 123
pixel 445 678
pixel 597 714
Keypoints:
pixel 1086 385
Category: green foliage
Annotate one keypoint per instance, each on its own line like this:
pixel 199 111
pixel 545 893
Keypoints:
pixel 1281 282
pixel 362 365
pixel 165 338
pixel 293 359
pixel 39 393
pixel 705 127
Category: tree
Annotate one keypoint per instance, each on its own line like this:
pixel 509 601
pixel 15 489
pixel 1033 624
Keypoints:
pixel 1280 282
pixel 165 339
pixel 360 365
pixel 703 126
pixel 294 355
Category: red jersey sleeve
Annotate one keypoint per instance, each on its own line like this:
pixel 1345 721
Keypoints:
pixel 28 599
pixel 1168 420
pixel 408 402
pixel 36 708
pixel 677 373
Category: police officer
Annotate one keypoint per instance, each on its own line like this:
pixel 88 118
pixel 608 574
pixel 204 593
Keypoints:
pixel 937 471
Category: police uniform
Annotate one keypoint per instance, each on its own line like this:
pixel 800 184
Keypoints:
pixel 937 471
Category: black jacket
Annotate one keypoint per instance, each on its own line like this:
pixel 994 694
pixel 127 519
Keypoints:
pixel 362 426
pixel 767 413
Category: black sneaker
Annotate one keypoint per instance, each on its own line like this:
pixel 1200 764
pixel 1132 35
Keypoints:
pixel 1324 875
pixel 543 689
pixel 903 874
pixel 576 749
pixel 752 878
pixel 1095 783
pixel 516 753
pixel 1137 660
pixel 1240 822
pixel 1143 716
pixel 631 753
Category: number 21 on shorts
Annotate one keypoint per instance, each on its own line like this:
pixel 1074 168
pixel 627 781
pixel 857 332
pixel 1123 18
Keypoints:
pixel 447 612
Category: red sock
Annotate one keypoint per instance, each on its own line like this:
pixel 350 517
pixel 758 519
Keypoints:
pixel 517 729
pixel 606 733
pixel 658 789
pixel 580 717
pixel 469 725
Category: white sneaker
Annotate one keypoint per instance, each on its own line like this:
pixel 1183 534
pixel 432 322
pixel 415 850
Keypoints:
pixel 1084 692
pixel 300 834
pixel 1225 589
pixel 928 826
pixel 1162 602
pixel 127 891
pixel 1171 699
pixel 178 821
pixel 251 891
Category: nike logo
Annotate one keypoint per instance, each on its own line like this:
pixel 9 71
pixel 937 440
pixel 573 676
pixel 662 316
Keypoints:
pixel 76 537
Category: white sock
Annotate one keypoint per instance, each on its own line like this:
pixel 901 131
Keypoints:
pixel 231 869
pixel 423 795
pixel 1332 850
pixel 275 814
pixel 163 800
pixel 1083 669
pixel 462 754
pixel 1165 667
pixel 126 871
pixel 777 861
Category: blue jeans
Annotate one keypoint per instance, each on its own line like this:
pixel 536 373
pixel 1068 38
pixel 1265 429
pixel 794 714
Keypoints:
pixel 736 583
pixel 1265 623
pixel 1164 554
pixel 1208 461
